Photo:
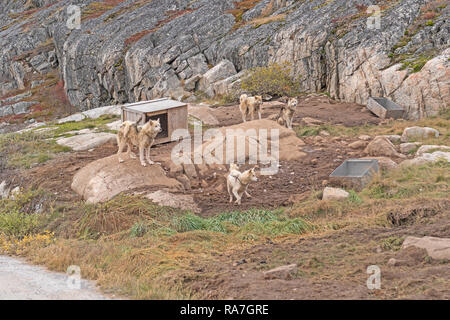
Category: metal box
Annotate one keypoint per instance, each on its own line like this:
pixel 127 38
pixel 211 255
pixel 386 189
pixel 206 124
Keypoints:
pixel 172 114
pixel 385 108
pixel 355 173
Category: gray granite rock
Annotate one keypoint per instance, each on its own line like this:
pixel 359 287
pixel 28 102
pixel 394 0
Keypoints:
pixel 137 51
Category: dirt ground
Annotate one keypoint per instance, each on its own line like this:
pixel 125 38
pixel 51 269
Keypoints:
pixel 334 266
pixel 314 106
pixel 295 178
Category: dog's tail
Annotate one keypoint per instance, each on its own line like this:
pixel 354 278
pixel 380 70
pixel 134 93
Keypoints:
pixel 243 98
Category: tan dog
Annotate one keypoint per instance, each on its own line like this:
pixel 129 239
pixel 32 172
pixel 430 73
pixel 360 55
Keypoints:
pixel 237 182
pixel 250 105
pixel 286 116
pixel 129 135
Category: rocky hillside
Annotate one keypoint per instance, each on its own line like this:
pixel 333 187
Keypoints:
pixel 141 49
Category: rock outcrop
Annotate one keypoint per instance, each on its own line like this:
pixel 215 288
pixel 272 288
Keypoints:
pixel 334 194
pixel 87 141
pixel 125 51
pixel 427 158
pixel 419 133
pixel 382 146
pixel 103 179
pixel 437 248
pixel 269 141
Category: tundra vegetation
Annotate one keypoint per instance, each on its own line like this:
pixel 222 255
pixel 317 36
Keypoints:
pixel 138 249
pixel 274 80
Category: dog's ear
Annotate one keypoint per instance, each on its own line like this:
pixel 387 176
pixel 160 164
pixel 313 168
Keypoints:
pixel 158 120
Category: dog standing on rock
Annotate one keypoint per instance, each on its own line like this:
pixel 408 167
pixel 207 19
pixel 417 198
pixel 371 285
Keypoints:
pixel 237 182
pixel 287 113
pixel 130 135
pixel 250 105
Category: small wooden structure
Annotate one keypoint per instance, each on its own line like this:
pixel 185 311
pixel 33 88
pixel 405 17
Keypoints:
pixel 385 108
pixel 355 173
pixel 172 115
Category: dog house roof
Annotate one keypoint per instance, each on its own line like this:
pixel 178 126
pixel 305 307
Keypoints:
pixel 153 105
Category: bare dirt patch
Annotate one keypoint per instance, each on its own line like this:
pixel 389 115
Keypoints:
pixel 295 179
pixel 319 107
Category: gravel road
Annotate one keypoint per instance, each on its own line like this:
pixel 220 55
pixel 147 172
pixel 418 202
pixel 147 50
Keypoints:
pixel 22 281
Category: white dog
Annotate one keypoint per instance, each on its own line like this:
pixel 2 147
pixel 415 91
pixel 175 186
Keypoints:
pixel 237 182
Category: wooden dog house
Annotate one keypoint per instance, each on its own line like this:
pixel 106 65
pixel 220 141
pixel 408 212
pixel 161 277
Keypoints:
pixel 172 115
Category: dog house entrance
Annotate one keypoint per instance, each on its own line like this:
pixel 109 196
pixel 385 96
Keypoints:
pixel 173 115
pixel 163 119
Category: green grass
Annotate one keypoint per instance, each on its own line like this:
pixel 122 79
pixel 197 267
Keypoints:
pixel 17 216
pixel 354 197
pixel 428 180
pixel 254 222
pixel 138 230
pixel 100 123
pixel 415 64
pixel 29 148
pixel 137 217
pixel 392 243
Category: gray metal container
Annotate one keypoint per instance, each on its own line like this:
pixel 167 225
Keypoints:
pixel 355 173
pixel 385 108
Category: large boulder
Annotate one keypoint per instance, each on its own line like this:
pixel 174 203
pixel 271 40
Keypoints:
pixel 229 86
pixel 253 134
pixel 384 162
pixel 103 179
pixel 203 113
pixel 87 141
pixel 191 84
pixel 419 133
pixel 114 125
pixel 431 148
pixel 310 122
pixel 437 248
pixel 16 108
pixel 360 144
pixel 92 114
pixel 394 138
pixel 408 147
pixel 221 71
pixel 382 146
pixel 427 158
pixel 180 201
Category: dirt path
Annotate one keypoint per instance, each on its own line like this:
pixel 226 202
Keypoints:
pixel 21 281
